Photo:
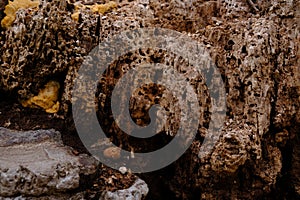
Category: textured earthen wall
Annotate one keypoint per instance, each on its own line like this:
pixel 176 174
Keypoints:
pixel 254 45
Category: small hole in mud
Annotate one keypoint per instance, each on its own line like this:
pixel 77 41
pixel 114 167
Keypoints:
pixel 230 42
pixel 244 49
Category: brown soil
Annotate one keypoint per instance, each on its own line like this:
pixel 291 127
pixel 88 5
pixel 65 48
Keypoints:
pixel 14 116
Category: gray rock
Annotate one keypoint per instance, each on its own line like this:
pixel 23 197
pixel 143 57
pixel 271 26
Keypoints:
pixel 77 196
pixel 137 191
pixel 36 163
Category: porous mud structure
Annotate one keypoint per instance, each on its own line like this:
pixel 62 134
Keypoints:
pixel 253 44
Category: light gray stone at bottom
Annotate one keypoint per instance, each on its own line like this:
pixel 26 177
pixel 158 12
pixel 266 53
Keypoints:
pixel 36 163
pixel 77 196
pixel 137 191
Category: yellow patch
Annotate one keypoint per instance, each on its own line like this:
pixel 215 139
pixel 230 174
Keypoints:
pixel 96 8
pixel 75 16
pixel 12 7
pixel 103 8
pixel 46 99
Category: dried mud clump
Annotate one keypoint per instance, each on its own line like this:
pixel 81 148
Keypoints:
pixel 145 97
pixel 41 46
pixel 262 83
pixel 246 50
pixel 233 150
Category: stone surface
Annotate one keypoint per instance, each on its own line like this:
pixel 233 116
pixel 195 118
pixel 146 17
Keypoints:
pixel 77 196
pixel 36 163
pixel 137 191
